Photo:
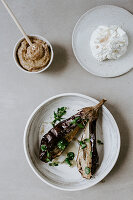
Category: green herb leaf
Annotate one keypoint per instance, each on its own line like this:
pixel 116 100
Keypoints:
pixel 67 161
pixel 53 122
pixel 70 155
pixel 53 164
pixel 58 115
pixel 82 144
pixel 87 170
pixel 48 154
pixel 43 147
pixel 87 140
pixel 75 121
pixel 47 159
pixel 62 144
pixel 80 125
pixel 100 142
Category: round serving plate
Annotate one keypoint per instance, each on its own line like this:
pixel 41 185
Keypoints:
pixel 64 177
pixel 102 15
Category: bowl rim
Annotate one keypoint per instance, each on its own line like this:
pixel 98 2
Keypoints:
pixel 16 48
pixel 25 143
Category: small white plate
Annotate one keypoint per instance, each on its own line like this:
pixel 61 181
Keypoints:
pixel 64 177
pixel 102 15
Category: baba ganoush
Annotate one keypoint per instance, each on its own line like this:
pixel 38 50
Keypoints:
pixel 108 42
pixel 36 57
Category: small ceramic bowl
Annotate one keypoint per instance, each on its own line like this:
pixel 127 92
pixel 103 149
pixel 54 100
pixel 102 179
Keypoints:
pixel 16 59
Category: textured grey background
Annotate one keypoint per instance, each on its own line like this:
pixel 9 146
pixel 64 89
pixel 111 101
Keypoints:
pixel 20 93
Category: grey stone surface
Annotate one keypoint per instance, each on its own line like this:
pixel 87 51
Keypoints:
pixel 20 93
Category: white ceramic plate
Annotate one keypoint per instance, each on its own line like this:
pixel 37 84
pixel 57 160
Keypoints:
pixel 64 177
pixel 102 15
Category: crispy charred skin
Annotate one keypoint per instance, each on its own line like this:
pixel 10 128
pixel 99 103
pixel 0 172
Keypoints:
pixel 63 131
pixel 88 156
pixel 95 157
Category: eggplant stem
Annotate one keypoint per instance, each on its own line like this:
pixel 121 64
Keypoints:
pixel 99 104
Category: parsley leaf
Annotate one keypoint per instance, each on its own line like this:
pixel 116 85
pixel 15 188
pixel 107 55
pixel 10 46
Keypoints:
pixel 100 142
pixel 43 147
pixel 62 144
pixel 75 121
pixel 87 140
pixel 53 164
pixel 48 154
pixel 70 155
pixel 47 159
pixel 82 144
pixel 80 125
pixel 87 170
pixel 58 115
pixel 68 161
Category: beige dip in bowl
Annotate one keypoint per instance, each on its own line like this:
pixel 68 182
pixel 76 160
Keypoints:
pixel 36 58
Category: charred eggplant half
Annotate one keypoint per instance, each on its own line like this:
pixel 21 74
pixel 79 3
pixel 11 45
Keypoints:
pixel 87 159
pixel 57 139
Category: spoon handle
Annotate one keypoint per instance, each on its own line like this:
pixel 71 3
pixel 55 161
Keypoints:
pixel 16 22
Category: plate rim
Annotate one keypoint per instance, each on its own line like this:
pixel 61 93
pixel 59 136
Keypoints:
pixel 73 46
pixel 31 164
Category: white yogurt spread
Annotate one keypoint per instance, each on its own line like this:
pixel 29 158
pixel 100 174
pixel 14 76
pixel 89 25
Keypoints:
pixel 108 42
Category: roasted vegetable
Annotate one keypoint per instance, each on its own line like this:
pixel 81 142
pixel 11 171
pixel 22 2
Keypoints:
pixel 87 160
pixel 57 139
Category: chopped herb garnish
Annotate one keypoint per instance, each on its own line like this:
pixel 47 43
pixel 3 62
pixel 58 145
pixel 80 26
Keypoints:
pixel 58 115
pixel 82 144
pixel 70 155
pixel 43 147
pixel 48 154
pixel 75 121
pixel 54 164
pixel 87 170
pixel 91 154
pixel 62 144
pixel 67 161
pixel 80 125
pixel 87 140
pixel 47 159
pixel 99 142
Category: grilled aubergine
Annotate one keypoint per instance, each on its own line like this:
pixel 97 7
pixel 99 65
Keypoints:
pixel 57 139
pixel 87 159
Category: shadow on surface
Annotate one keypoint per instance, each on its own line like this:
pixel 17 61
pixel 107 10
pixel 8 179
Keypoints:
pixel 124 135
pixel 60 59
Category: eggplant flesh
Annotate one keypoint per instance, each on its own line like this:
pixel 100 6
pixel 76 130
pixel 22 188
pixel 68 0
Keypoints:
pixel 65 131
pixel 87 159
pixel 88 156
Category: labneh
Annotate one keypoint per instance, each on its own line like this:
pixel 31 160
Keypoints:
pixel 108 42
